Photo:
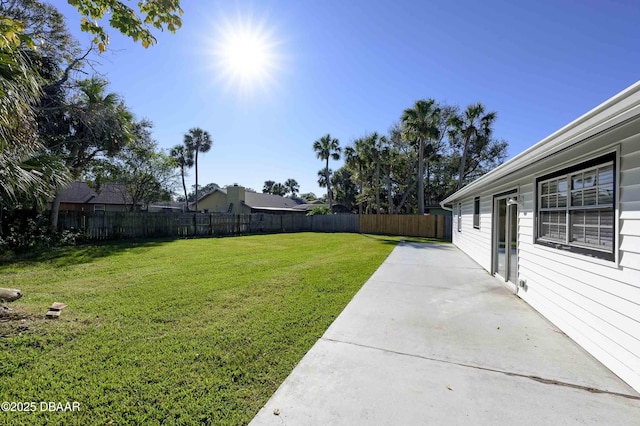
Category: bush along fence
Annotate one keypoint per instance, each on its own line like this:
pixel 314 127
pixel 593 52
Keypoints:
pixel 116 225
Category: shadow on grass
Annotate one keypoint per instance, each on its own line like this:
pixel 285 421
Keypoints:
pixel 83 253
pixel 417 242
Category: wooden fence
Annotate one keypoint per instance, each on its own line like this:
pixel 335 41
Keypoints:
pixel 115 225
pixel 430 226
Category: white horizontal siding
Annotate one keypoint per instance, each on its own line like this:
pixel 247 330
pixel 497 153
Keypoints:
pixel 630 209
pixel 630 243
pixel 594 301
pixel 629 193
pixel 595 343
pixel 608 330
pixel 475 242
pixel 629 219
pixel 630 161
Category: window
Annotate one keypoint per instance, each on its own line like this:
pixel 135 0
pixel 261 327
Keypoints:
pixel 459 217
pixel 476 212
pixel 98 208
pixel 576 208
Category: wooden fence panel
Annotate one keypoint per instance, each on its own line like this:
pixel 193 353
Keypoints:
pixel 429 226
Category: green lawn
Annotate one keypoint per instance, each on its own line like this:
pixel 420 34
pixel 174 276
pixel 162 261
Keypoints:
pixel 174 332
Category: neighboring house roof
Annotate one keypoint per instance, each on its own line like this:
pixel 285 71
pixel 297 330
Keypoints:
pixel 82 193
pixel 308 206
pixel 77 193
pixel 260 200
pixel 610 113
pixel 166 206
pixel 114 193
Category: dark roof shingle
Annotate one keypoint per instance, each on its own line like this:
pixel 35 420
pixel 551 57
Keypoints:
pixel 81 193
pixel 257 200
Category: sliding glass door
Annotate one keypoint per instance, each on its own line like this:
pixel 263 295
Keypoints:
pixel 505 252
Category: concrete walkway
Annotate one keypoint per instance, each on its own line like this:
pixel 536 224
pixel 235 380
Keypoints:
pixel 432 338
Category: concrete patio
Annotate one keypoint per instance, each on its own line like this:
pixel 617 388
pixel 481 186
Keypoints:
pixel 432 338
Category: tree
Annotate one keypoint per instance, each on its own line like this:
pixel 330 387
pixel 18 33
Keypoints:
pixel 144 172
pixel 308 196
pixel 420 125
pixel 19 91
pixel 202 191
pixel 355 158
pixel 279 189
pixel 158 14
pixel 322 179
pixel 374 145
pixel 473 126
pixel 96 124
pixel 184 159
pixel 268 186
pixel 292 187
pixel 197 140
pixel 327 147
pixel 44 26
pixel 345 189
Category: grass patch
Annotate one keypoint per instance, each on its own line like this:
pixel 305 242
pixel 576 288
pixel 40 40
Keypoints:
pixel 174 332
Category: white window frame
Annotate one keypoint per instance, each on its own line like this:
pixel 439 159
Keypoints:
pixel 566 211
pixel 459 217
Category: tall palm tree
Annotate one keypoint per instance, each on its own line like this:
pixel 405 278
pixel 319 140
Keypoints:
pixel 292 186
pixel 420 126
pixel 184 158
pixel 327 147
pixel 472 125
pixel 197 140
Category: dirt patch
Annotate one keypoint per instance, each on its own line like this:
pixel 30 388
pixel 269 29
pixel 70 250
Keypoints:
pixel 14 323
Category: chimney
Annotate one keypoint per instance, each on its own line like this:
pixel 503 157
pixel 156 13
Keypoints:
pixel 235 195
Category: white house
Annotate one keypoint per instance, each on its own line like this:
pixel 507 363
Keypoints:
pixel 559 224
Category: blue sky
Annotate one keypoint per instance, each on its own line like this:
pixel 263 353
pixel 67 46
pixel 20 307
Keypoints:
pixel 351 67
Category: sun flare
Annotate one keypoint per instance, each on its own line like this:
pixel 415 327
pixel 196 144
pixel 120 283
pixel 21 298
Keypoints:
pixel 246 56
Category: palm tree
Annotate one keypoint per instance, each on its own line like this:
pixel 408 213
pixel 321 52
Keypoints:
pixel 292 187
pixel 420 125
pixel 268 186
pixel 357 159
pixel 279 189
pixel 322 177
pixel 27 172
pixel 472 125
pixel 101 124
pixel 374 148
pixel 97 124
pixel 327 147
pixel 197 140
pixel 184 158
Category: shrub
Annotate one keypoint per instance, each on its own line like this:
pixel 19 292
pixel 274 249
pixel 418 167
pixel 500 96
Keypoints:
pixel 320 210
pixel 27 234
